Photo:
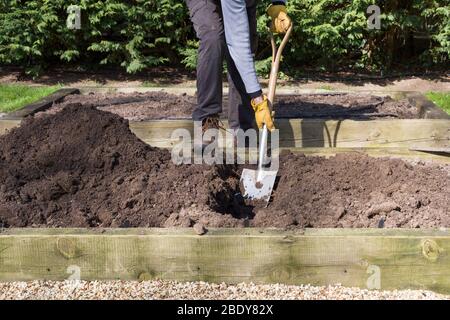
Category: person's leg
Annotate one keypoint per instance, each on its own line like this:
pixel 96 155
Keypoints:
pixel 240 111
pixel 208 25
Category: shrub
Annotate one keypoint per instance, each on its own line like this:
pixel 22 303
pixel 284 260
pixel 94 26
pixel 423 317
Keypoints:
pixel 329 34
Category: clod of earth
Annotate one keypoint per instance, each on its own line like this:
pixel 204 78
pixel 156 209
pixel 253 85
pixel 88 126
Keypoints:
pixel 385 207
pixel 83 167
pixel 200 229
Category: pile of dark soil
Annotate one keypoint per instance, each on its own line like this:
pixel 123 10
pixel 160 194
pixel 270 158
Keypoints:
pixel 82 167
pixel 161 105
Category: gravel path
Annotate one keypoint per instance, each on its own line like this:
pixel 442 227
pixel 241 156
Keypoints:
pixel 195 290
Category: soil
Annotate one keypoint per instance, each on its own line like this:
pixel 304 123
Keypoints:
pixel 134 107
pixel 162 105
pixel 83 167
pixel 343 105
pixel 353 190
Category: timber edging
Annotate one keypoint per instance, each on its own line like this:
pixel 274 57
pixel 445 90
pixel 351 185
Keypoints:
pixel 366 258
pixel 427 109
pixel 41 105
pixel 405 138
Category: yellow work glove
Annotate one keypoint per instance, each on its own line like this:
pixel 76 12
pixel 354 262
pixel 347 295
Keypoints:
pixel 263 114
pixel 280 20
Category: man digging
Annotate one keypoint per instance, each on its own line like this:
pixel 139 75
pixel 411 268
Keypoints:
pixel 227 29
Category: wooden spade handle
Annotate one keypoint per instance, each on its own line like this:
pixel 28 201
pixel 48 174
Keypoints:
pixel 276 58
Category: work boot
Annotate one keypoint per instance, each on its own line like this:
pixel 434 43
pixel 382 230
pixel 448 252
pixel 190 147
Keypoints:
pixel 210 123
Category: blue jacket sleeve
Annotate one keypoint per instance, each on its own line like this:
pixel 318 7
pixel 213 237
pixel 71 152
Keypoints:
pixel 237 35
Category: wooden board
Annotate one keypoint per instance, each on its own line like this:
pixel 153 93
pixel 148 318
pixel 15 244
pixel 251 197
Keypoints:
pixel 427 109
pixel 366 258
pixel 400 138
pixel 42 104
pixel 298 133
pixel 445 150
pixel 6 125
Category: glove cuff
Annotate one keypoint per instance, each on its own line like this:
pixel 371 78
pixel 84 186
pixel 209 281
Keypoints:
pixel 256 106
pixel 274 10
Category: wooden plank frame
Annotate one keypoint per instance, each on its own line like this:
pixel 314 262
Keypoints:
pixel 366 258
pixel 6 125
pixel 41 105
pixel 427 109
pixel 414 139
pixel 302 133
pixel 432 131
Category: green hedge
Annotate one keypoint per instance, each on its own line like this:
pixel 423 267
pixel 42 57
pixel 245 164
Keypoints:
pixel 332 33
pixel 133 34
pixel 137 34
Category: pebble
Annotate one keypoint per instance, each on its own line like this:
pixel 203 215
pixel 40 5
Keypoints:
pixel 162 289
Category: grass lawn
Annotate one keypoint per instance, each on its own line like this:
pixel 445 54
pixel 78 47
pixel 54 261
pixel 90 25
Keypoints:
pixel 13 97
pixel 441 99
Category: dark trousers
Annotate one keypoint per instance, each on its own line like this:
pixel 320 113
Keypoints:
pixel 206 15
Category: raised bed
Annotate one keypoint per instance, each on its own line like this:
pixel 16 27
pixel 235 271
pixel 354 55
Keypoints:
pixel 162 105
pixel 367 258
pixel 301 133
pixel 427 139
pixel 429 132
